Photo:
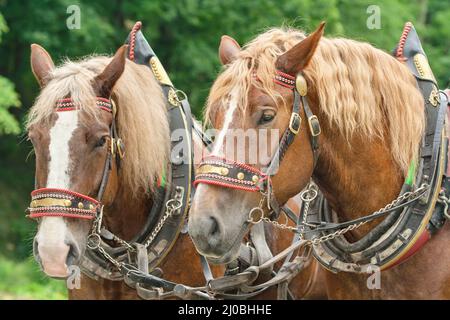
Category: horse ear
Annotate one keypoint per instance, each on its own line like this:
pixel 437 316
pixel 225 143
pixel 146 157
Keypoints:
pixel 228 49
pixel 41 64
pixel 299 56
pixel 105 81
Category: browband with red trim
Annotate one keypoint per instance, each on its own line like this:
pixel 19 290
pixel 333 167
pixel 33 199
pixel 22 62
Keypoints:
pixel 52 202
pixel 67 104
pixel 284 79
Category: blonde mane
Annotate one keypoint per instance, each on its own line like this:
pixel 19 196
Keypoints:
pixel 141 116
pixel 361 89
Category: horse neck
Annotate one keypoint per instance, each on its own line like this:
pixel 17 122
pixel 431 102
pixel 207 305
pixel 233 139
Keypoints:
pixel 128 213
pixel 357 176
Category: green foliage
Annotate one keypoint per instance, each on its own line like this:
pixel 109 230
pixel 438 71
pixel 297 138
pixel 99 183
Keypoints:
pixel 23 280
pixel 8 97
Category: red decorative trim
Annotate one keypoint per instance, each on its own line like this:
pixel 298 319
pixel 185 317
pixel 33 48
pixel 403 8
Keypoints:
pixel 284 79
pixel 226 185
pixel 60 214
pixel 420 242
pixel 232 162
pixel 67 104
pixel 286 75
pixel 104 100
pixel 233 180
pixel 137 26
pixel 401 43
pixel 36 192
pixel 226 181
pixel 60 211
pixel 283 84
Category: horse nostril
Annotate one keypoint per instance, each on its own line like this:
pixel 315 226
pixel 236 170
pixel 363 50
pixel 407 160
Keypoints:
pixel 214 230
pixel 36 250
pixel 73 256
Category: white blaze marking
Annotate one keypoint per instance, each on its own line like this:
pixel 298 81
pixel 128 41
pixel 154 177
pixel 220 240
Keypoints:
pixel 226 124
pixel 60 136
pixel 221 137
pixel 53 230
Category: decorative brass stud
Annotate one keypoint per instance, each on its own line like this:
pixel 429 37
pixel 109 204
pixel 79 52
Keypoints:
pixel 159 71
pixel 91 207
pixel 301 85
pixel 67 203
pixel 434 97
pixel 173 98
pixel 423 67
pixel 209 169
pixel 240 175
pixel 255 178
pixel 80 205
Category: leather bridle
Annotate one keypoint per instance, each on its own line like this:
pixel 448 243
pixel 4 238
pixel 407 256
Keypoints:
pixel 220 171
pixel 54 202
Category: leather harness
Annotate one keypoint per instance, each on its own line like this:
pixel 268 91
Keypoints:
pixel 407 228
pixel 149 247
pixel 409 223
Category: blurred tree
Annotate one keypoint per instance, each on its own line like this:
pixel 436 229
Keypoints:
pixel 8 97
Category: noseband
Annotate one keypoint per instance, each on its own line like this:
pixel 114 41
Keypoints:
pixel 53 202
pixel 227 173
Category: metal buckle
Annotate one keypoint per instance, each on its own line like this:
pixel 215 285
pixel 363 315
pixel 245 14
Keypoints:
pixel 314 133
pixel 113 146
pixel 114 108
pixel 120 148
pixel 295 117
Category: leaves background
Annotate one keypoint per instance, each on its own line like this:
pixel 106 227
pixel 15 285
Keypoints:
pixel 185 34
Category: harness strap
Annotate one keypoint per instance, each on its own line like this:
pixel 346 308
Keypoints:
pixel 70 204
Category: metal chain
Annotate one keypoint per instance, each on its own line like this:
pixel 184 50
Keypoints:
pixel 94 239
pixel 172 206
pixel 406 196
pixel 397 201
pixel 307 197
pixel 445 201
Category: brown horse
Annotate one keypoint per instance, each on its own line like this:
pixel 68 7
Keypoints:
pixel 71 147
pixel 372 121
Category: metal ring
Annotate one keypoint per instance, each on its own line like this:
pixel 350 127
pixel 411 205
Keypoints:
pixel 306 192
pixel 181 95
pixel 251 215
pixel 209 289
pixel 173 204
pixel 447 216
pixel 93 241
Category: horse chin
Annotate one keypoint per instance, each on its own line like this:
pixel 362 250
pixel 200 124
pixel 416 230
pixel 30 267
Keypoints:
pixel 231 255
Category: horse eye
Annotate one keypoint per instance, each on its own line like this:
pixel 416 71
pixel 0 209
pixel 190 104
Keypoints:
pixel 266 117
pixel 101 142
